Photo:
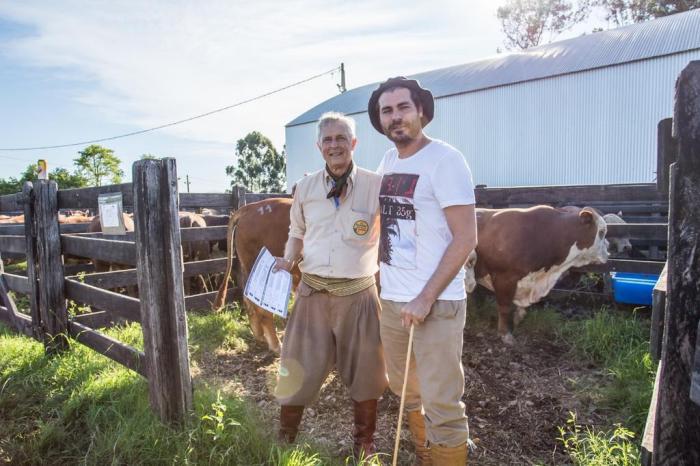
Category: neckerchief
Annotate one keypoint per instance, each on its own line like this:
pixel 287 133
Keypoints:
pixel 339 183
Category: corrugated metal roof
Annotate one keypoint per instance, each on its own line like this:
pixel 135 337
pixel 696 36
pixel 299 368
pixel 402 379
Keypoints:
pixel 664 36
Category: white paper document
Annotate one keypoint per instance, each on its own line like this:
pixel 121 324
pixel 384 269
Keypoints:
pixel 110 215
pixel 267 289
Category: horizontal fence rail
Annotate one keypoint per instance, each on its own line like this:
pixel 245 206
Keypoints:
pixel 18 229
pixel 109 347
pixel 86 198
pixel 567 195
pixel 13 244
pixel 118 304
pixel 118 252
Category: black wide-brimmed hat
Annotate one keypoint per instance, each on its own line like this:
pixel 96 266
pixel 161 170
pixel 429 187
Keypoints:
pixel 426 99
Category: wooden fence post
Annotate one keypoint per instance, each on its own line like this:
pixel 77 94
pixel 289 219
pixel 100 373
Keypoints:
pixel 677 426
pixel 30 236
pixel 159 271
pixel 667 153
pixel 52 302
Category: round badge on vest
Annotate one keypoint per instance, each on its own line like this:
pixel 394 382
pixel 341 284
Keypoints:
pixel 360 228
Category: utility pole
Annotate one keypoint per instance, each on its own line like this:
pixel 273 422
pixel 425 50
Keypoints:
pixel 187 182
pixel 341 86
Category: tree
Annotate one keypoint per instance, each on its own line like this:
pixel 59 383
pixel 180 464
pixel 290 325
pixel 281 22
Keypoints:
pixel 259 167
pixel 97 162
pixel 622 12
pixel 67 180
pixel 61 176
pixel 525 21
pixel 149 157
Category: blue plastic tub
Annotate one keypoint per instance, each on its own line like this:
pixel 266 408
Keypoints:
pixel 633 288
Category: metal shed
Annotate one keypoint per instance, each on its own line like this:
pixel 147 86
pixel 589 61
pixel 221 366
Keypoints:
pixel 578 111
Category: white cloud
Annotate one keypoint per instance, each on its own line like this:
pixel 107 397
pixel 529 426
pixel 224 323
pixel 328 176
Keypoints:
pixel 142 64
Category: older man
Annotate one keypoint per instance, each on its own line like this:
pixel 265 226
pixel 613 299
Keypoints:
pixel 428 228
pixel 335 320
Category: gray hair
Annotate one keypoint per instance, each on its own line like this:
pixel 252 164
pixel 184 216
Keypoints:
pixel 335 117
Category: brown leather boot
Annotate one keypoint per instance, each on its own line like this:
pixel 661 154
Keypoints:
pixel 416 424
pixel 365 424
pixel 449 456
pixel 290 418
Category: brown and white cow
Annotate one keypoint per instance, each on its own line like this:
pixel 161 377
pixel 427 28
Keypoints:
pixel 264 223
pixel 521 253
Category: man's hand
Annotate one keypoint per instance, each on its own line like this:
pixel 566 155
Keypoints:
pixel 415 311
pixel 283 264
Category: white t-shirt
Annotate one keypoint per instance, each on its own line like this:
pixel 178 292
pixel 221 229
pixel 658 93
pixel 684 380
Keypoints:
pixel 414 230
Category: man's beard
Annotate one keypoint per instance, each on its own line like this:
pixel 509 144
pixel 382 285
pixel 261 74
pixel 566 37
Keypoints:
pixel 400 140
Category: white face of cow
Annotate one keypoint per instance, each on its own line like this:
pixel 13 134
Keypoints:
pixel 601 241
pixel 469 273
pixel 619 244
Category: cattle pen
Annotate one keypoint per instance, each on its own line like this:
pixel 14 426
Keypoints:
pixel 663 220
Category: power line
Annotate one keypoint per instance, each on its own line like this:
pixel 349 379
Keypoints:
pixel 134 133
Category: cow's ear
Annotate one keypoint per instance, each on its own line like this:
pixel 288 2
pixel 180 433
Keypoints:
pixel 586 216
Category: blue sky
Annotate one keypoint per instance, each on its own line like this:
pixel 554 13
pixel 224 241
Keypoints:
pixel 79 70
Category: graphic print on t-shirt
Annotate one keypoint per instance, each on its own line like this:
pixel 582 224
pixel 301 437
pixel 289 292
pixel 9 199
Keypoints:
pixel 398 233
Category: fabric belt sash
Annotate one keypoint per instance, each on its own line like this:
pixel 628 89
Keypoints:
pixel 337 286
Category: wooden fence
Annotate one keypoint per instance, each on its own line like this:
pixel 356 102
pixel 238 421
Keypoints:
pixel 153 256
pixel 672 434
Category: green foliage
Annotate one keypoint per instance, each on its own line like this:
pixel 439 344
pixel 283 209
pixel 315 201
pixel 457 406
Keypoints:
pixel 13 185
pixel 221 330
pixel 588 447
pixel 64 178
pixel 67 180
pixel 524 22
pixel 622 12
pixel 620 344
pixel 96 163
pixel 259 167
pixel 79 407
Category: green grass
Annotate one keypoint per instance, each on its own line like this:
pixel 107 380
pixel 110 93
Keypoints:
pixel 618 343
pixel 81 408
pixel 589 447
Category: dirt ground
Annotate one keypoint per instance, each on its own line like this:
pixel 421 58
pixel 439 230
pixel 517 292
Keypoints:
pixel 515 397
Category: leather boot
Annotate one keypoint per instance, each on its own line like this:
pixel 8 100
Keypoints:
pixel 365 424
pixel 416 424
pixel 449 456
pixel 290 418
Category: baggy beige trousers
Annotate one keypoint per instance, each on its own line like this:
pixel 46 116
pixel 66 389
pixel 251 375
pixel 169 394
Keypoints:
pixel 436 376
pixel 325 331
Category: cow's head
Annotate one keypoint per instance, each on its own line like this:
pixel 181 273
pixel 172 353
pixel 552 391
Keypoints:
pixel 618 244
pixel 591 240
pixel 469 274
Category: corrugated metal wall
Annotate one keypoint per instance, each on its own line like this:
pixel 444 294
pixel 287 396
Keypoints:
pixel 593 127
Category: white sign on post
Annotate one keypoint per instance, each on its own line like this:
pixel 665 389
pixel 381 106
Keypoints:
pixel 111 214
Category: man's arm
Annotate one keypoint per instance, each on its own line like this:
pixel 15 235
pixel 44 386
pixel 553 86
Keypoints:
pixel 462 224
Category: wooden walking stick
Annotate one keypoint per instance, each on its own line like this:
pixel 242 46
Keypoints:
pixel 403 395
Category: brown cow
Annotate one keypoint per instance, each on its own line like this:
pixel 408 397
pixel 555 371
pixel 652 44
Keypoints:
pixel 522 253
pixel 194 251
pixel 264 223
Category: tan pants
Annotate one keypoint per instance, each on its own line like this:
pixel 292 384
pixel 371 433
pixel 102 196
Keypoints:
pixel 436 376
pixel 325 331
